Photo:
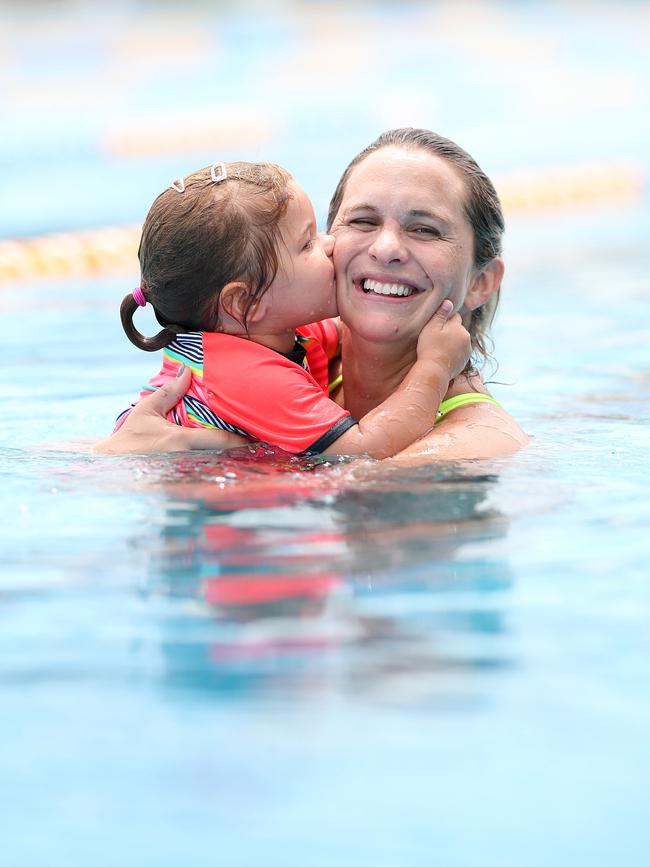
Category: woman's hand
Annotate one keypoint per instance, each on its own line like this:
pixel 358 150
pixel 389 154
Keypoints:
pixel 147 430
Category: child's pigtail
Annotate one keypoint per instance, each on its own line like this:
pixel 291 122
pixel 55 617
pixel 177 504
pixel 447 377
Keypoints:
pixel 129 305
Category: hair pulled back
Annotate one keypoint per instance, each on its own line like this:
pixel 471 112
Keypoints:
pixel 482 209
pixel 195 242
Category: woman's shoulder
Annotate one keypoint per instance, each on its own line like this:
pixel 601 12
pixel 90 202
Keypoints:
pixel 472 425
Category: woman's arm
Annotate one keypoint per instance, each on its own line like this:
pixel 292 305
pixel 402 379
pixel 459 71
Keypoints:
pixel 479 430
pixel 147 430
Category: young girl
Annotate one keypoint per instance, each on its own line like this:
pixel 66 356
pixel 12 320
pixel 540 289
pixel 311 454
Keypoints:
pixel 243 286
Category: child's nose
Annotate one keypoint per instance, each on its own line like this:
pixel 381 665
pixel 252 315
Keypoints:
pixel 328 243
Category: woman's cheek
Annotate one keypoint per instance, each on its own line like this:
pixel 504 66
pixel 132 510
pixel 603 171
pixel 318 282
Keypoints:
pixel 345 248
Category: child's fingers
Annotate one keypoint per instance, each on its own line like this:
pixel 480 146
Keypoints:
pixel 444 311
pixel 441 316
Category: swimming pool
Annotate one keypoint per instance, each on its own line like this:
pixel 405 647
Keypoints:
pixel 247 659
pixel 288 663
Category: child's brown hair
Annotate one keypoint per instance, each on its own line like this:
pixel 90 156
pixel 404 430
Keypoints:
pixel 205 231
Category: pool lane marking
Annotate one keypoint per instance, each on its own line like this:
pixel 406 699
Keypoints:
pixel 113 249
pixel 71 254
pixel 560 188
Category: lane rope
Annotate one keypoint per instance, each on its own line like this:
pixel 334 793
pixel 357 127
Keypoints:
pixel 571 187
pixel 71 254
pixel 113 249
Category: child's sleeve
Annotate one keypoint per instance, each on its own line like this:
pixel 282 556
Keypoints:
pixel 276 401
pixel 328 334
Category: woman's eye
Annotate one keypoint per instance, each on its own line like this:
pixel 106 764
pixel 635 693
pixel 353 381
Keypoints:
pixel 363 223
pixel 426 231
pixel 309 244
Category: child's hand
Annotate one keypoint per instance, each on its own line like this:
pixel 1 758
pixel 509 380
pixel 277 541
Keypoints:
pixel 445 341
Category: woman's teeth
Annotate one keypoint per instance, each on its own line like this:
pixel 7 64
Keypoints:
pixel 386 288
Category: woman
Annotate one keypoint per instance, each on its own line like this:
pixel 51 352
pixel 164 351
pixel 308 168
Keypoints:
pixel 415 221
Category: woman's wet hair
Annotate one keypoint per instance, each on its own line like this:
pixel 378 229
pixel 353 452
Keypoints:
pixel 201 234
pixel 482 209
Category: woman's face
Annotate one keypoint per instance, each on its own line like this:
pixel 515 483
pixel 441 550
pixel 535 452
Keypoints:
pixel 403 244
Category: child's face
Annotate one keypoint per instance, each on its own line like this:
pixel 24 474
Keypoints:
pixel 303 290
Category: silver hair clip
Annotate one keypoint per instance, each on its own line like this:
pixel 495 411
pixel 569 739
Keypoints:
pixel 223 174
pixel 178 185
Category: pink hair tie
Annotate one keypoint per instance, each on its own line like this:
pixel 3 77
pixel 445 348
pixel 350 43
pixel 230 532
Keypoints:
pixel 138 297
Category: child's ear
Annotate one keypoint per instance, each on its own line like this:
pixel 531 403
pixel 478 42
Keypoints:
pixel 233 300
pixel 485 283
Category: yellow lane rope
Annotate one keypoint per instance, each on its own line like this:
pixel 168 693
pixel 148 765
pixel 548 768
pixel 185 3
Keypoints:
pixel 114 249
pixel 571 187
pixel 71 254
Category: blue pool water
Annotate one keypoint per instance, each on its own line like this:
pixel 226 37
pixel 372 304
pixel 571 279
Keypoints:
pixel 287 663
pixel 246 659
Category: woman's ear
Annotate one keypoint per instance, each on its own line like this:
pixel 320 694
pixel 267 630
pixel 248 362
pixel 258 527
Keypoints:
pixel 485 283
pixel 233 300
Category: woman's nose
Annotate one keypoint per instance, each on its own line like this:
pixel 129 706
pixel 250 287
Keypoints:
pixel 328 242
pixel 388 246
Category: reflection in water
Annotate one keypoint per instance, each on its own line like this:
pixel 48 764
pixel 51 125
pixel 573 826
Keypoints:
pixel 306 577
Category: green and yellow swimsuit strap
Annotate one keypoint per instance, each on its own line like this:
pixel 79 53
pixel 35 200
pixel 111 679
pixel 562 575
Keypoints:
pixel 463 400
pixel 334 384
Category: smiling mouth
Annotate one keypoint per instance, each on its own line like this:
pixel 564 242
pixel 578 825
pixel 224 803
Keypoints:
pixel 395 290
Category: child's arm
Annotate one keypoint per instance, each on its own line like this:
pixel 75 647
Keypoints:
pixel 409 413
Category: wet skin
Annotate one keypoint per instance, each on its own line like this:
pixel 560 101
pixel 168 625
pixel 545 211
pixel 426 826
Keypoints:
pixel 402 223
